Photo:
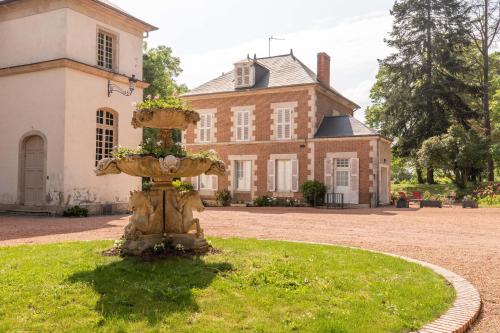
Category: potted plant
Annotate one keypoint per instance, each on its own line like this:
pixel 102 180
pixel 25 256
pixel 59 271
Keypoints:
pixel 402 202
pixel 469 202
pixel 430 200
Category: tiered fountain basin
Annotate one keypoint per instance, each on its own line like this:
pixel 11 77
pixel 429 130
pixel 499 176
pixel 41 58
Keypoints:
pixel 163 214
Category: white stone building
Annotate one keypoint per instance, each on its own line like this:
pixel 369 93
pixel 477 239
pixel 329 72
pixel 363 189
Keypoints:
pixel 57 58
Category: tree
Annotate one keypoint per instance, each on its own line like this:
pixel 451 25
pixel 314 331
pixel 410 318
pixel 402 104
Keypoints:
pixel 420 88
pixel 460 153
pixel 160 70
pixel 486 24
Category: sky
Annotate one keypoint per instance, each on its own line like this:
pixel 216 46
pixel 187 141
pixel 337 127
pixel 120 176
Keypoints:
pixel 209 36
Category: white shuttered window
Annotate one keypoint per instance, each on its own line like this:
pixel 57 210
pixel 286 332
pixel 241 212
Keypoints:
pixel 283 123
pixel 243 175
pixel 242 125
pixel 205 127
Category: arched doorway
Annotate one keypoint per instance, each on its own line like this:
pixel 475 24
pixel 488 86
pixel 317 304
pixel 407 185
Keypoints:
pixel 32 170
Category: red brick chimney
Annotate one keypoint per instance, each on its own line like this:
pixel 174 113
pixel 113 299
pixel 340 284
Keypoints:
pixel 323 70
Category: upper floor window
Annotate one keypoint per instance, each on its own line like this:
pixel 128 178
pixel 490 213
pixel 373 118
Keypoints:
pixel 283 123
pixel 106 44
pixel 205 127
pixel 106 133
pixel 242 125
pixel 244 75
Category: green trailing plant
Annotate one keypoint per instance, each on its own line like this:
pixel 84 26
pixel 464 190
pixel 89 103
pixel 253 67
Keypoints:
pixel 223 197
pixel 76 211
pixel 313 192
pixel 181 186
pixel 208 154
pixel 162 103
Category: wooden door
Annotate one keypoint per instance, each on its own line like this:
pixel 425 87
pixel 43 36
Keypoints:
pixel 384 185
pixel 34 171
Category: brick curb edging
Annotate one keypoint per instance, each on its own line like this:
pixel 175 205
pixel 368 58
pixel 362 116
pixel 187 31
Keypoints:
pixel 465 310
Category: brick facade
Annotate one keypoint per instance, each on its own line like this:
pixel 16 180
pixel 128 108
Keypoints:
pixel 310 104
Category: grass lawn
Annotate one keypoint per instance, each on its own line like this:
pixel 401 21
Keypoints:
pixel 251 286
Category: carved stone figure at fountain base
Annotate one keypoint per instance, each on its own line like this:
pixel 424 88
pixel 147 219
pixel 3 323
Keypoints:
pixel 163 215
pixel 144 243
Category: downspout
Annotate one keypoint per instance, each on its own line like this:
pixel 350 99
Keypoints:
pixel 378 173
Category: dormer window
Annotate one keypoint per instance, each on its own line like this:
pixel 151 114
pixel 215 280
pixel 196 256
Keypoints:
pixel 244 75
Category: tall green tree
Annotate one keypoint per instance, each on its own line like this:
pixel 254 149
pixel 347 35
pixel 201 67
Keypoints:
pixel 160 70
pixel 420 87
pixel 485 16
pixel 460 153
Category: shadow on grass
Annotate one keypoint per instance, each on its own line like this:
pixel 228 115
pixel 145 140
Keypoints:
pixel 133 290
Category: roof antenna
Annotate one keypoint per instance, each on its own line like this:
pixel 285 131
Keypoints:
pixel 270 39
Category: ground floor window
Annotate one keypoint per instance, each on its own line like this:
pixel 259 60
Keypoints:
pixel 284 175
pixel 207 182
pixel 243 175
pixel 342 172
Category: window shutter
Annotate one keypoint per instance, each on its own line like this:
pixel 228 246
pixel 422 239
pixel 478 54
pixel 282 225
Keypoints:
pixel 295 175
pixel 354 174
pixel 271 182
pixel 208 130
pixel 194 181
pixel 279 124
pixel 215 182
pixel 328 163
pixel 246 125
pixel 201 128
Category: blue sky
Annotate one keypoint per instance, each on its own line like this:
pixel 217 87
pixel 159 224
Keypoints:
pixel 209 36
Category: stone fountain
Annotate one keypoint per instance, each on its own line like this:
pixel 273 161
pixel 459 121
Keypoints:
pixel 163 213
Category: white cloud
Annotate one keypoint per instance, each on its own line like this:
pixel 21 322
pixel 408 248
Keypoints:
pixel 354 45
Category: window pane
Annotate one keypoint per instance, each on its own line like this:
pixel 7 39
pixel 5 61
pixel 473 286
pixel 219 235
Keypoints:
pixel 243 175
pixel 342 178
pixel 342 163
pixel 284 175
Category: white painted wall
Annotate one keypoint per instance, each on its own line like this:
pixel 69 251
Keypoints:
pixel 64 33
pixel 33 101
pixel 82 44
pixel 33 38
pixel 85 94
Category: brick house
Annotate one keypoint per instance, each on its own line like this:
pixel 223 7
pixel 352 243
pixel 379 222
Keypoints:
pixel 276 124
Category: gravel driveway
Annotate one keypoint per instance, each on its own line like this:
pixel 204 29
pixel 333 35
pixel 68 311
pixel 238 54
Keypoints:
pixel 466 241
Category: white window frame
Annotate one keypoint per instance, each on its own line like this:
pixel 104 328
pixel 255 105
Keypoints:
pixel 286 177
pixel 205 132
pixel 282 124
pixel 341 167
pixel 243 170
pixel 106 58
pixel 206 182
pixel 106 133
pixel 242 119
pixel 244 75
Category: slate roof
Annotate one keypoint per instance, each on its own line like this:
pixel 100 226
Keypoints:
pixel 342 126
pixel 282 70
pixel 105 3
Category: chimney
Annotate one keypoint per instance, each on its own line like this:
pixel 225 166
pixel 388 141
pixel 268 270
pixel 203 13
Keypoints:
pixel 323 70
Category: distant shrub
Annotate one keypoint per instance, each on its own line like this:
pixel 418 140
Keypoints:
pixel 313 192
pixel 76 211
pixel 267 201
pixel 223 197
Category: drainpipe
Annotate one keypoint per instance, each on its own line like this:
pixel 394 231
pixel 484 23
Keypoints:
pixel 378 173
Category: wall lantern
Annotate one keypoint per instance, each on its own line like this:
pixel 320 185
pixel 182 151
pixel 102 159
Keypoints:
pixel 131 86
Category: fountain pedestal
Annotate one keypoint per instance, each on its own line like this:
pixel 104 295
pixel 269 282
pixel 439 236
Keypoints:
pixel 163 214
